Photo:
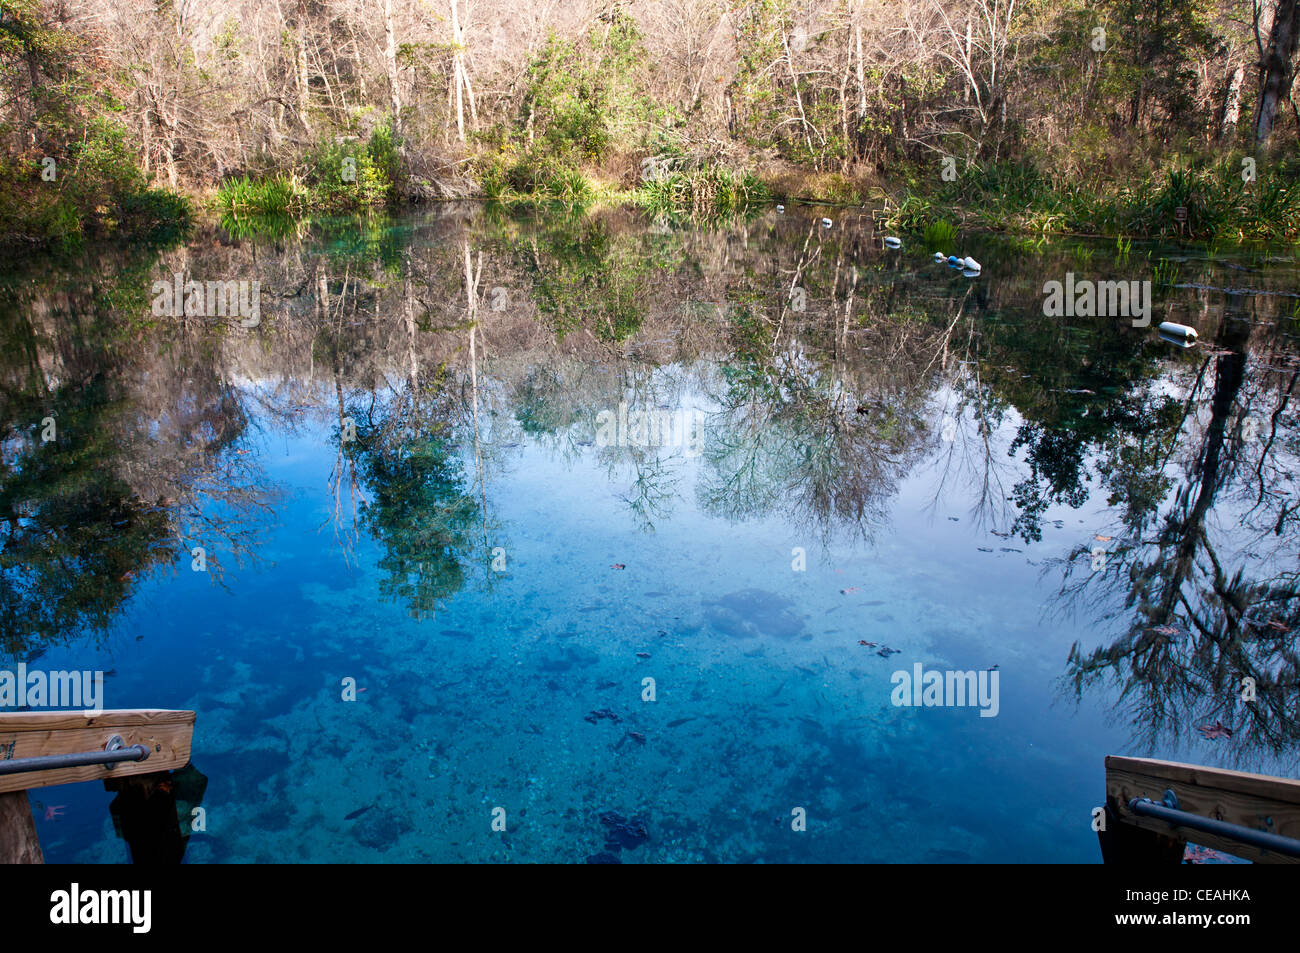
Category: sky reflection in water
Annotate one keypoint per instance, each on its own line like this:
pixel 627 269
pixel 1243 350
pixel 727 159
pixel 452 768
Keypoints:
pixel 396 482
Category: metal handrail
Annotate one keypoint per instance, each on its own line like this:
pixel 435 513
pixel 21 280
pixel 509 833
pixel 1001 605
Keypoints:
pixel 1169 811
pixel 114 751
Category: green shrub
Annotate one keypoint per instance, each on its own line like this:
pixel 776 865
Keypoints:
pixel 277 195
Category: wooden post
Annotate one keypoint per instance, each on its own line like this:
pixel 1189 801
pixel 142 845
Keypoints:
pixel 144 814
pixel 1123 843
pixel 18 841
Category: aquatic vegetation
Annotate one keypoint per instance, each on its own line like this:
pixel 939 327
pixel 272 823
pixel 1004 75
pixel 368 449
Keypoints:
pixel 534 177
pixel 278 197
pixel 940 236
pixel 1165 273
pixel 1193 201
pixel 262 225
pixel 709 194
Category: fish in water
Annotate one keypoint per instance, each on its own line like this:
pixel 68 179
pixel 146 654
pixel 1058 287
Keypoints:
pixel 603 685
pixel 642 654
pixel 357 813
pixel 634 735
pixel 886 651
pixel 870 645
pixel 681 721
pixel 458 634
pixel 600 713
pixel 617 566
pixel 624 833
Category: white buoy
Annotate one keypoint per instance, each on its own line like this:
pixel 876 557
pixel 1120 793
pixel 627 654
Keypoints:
pixel 939 257
pixel 826 223
pixel 1179 332
pixel 892 242
pixel 780 208
pixel 971 264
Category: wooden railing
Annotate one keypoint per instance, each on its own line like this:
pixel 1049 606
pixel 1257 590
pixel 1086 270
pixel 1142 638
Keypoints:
pixel 1252 801
pixel 166 734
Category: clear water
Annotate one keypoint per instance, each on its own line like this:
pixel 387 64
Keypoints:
pixel 948 461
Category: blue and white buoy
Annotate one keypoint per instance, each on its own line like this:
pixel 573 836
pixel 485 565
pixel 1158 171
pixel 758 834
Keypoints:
pixel 826 223
pixel 939 257
pixel 781 209
pixel 892 242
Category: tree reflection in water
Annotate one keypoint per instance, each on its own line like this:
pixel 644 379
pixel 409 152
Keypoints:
pixel 830 373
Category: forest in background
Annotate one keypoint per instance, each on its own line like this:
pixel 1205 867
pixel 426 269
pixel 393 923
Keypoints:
pixel 1118 117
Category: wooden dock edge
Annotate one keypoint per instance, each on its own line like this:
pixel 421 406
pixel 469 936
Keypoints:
pixel 1256 801
pixel 167 734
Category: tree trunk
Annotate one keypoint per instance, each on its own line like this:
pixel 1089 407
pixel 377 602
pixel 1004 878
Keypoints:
pixel 862 76
pixel 1232 103
pixel 390 63
pixel 1276 78
pixel 460 75
pixel 304 91
pixel 798 99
